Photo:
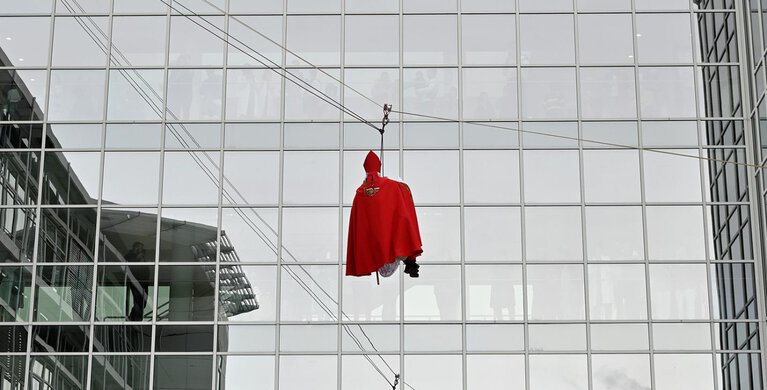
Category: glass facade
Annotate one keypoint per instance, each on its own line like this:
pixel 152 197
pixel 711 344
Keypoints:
pixel 612 244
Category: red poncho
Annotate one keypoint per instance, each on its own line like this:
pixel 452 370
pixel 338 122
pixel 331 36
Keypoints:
pixel 383 225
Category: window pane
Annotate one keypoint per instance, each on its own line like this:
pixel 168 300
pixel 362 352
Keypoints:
pixel 63 293
pixel 495 337
pixel 436 297
pixel 296 302
pixel 317 39
pixel 125 293
pixel 184 338
pixel 191 44
pixel 310 338
pixel 551 5
pixel 490 94
pixel 252 136
pixel 187 292
pixel 489 39
pixel 493 292
pixel 547 39
pixel 263 282
pixel 619 337
pixel 131 177
pixel 440 225
pixel 139 40
pixel 432 176
pixel 366 6
pixel 314 6
pixel 664 38
pixel 128 234
pixel 364 300
pixel 132 371
pixel 608 93
pixel 253 94
pixel 668 133
pixel 358 373
pixel 667 92
pixel 253 232
pixel 611 176
pixel 434 372
pixel 671 178
pixel 596 47
pixel 487 6
pixel 548 93
pixel 614 233
pixel 425 338
pixel 684 372
pixel 492 234
pixel 75 175
pixel 431 91
pixel 489 372
pixel 311 234
pixel 675 233
pixel 194 94
pixel 189 372
pixel 608 369
pixel 431 135
pixel 617 292
pixel 193 136
pixel 550 337
pixel 549 135
pixel 424 40
pixel 683 337
pixel 270 26
pixel 604 5
pixel 80 41
pixel 491 176
pixel 366 45
pixel 553 233
pixel 28 35
pixel 662 5
pixel 135 94
pixel 679 292
pixel 188 234
pixel 382 85
pixel 558 372
pixel 32 6
pixel 77 95
pixel 241 370
pixel 244 185
pixel 15 286
pixel 315 185
pixel 262 6
pixel 551 176
pixel 555 292
pixel 300 104
pixel 622 133
pixel 190 178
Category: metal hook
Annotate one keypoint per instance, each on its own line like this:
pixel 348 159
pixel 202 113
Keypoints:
pixel 386 112
pixel 396 382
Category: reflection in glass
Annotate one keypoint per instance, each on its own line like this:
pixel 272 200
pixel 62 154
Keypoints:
pixel 127 235
pixel 193 136
pixel 611 372
pixel 596 47
pixel 28 35
pixel 553 233
pixel 309 338
pixel 73 177
pixel 185 293
pixel 187 372
pixel 194 93
pixel 60 338
pixel 133 136
pixel 364 300
pixel 270 26
pixel 548 93
pixel 664 38
pixel 184 338
pixel 614 233
pixel 310 234
pixel 493 292
pixel 608 93
pixel 424 338
pixel 15 284
pixel 485 97
pixel 76 95
pixel 492 234
pixel 431 91
pixel 684 337
pixel 494 337
pixel 488 39
pixel 301 104
pixel 382 85
pixel 558 372
pixel 253 94
pixel 679 291
pixel 385 338
pixel 246 338
pixel 191 178
pixel 547 39
pixel 67 372
pixel 434 297
pixel 188 234
pixel 667 92
pixel 63 293
pixel 112 372
pixel 619 337
pixel 672 178
pixel 358 373
pixel 262 280
pixel 252 232
pixel 617 292
pixel 555 292
pixel 125 293
pixel 252 136
pixel 122 338
pixel 135 94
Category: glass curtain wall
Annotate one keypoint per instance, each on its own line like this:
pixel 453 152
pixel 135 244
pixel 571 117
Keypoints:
pixel 174 211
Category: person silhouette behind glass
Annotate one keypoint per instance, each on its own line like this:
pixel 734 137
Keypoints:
pixel 139 285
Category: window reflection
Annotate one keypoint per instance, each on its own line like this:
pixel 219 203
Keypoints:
pixel 364 300
pixel 547 39
pixel 189 372
pixel 270 26
pixel 431 91
pixel 614 233
pixel 253 94
pixel 440 226
pixel 492 234
pixel 596 47
pixel 185 293
pixel 434 297
pixel 434 372
pixel 300 104
pixel 125 293
pixel 675 233
pixel 607 93
pixel 309 293
pixel 135 94
pixel 76 95
pixel 667 92
pixel 28 35
pixel 194 93
pixel 241 370
pixel 679 292
pixel 494 292
pixel 558 372
pixel 79 41
pixel 553 233
pixel 63 293
pixel 620 372
pixel 548 93
pixel 617 292
pixel 191 44
pixel 114 371
pixel 424 40
pixel 15 285
pixel 488 39
pixel 485 98
pixel 684 372
pixel 134 39
pixel 559 337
